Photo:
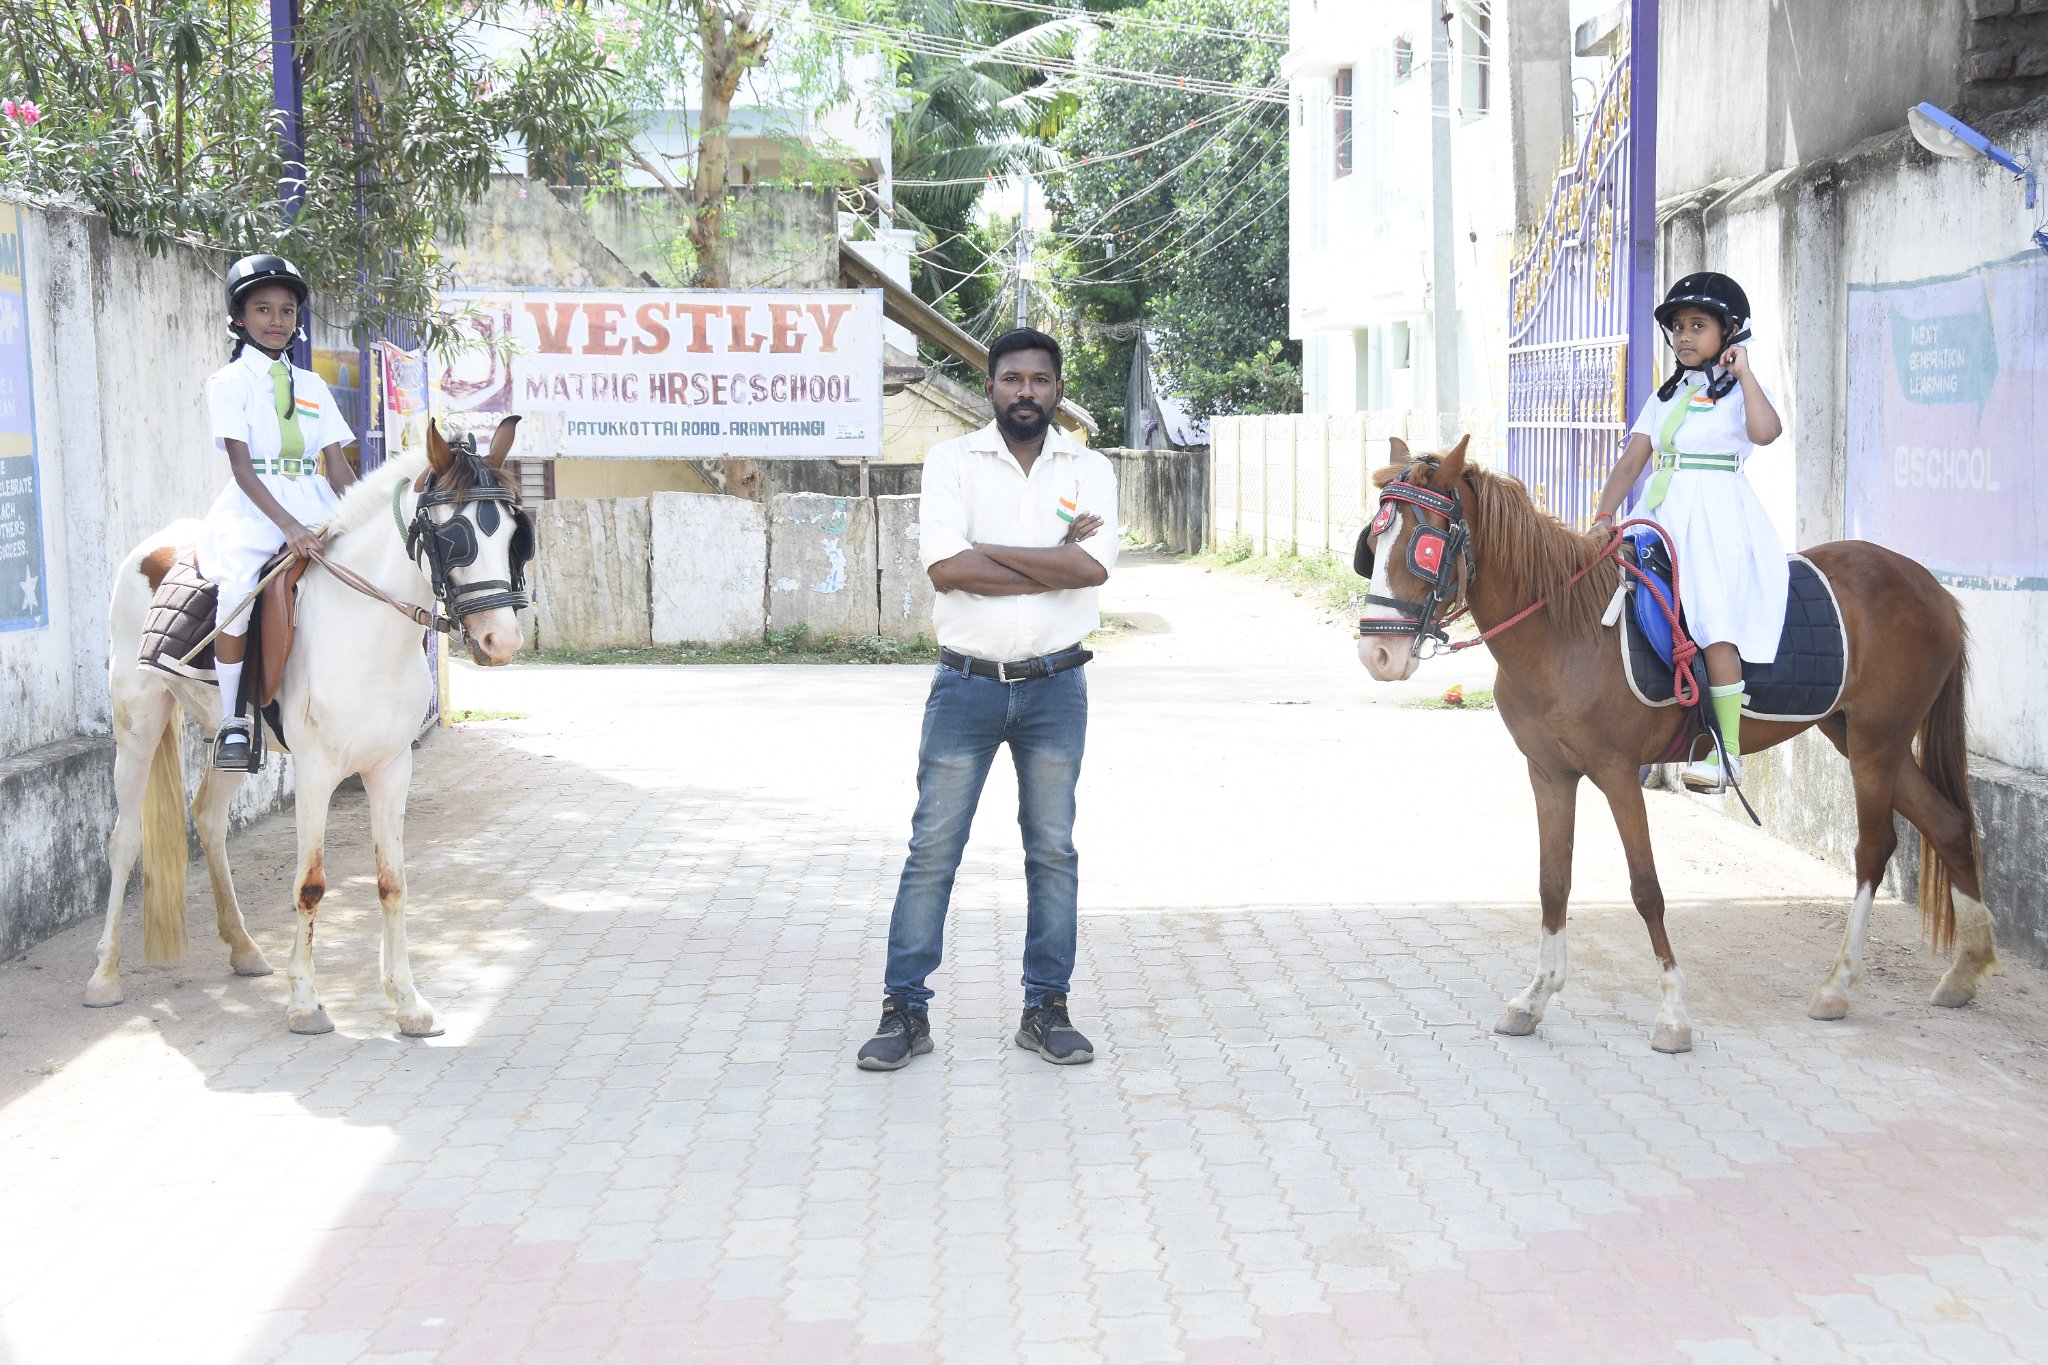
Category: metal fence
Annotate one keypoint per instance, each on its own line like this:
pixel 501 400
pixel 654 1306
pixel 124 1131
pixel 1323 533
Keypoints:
pixel 1578 294
pixel 1301 483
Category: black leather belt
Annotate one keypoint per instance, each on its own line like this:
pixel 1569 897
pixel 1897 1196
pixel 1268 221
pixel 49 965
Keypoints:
pixel 1017 670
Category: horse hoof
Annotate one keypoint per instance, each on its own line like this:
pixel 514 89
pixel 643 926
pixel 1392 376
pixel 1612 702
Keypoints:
pixel 1948 995
pixel 1828 1005
pixel 100 993
pixel 314 1020
pixel 250 962
pixel 421 1027
pixel 1672 1038
pixel 1516 1023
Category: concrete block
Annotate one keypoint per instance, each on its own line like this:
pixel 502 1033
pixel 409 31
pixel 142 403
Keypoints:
pixel 59 800
pixel 591 574
pixel 821 565
pixel 708 577
pixel 906 600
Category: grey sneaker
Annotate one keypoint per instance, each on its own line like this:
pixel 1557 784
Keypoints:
pixel 1046 1030
pixel 903 1033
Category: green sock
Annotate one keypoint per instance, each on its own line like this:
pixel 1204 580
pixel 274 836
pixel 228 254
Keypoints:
pixel 1728 711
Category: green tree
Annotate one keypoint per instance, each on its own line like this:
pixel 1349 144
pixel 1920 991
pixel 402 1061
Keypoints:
pixel 158 114
pixel 696 55
pixel 1173 211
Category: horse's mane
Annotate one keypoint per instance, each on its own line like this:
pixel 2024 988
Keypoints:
pixel 371 495
pixel 1525 552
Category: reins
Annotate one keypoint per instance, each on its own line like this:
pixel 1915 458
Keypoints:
pixel 1683 651
pixel 1435 555
pixel 413 536
pixel 412 611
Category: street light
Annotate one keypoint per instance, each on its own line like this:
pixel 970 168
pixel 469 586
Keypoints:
pixel 1944 134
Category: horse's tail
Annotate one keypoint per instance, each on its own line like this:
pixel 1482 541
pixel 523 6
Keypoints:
pixel 1945 759
pixel 163 852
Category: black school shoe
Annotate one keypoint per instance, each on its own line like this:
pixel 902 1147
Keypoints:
pixel 232 750
pixel 902 1034
pixel 1046 1030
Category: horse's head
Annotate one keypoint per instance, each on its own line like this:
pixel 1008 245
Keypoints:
pixel 1416 552
pixel 473 540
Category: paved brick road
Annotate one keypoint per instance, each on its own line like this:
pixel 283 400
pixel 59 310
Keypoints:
pixel 652 917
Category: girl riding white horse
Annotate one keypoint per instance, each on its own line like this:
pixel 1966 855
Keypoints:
pixel 354 692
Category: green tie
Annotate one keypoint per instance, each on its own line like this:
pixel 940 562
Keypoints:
pixel 291 442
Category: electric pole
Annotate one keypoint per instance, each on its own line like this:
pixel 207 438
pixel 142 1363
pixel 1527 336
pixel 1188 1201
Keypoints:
pixel 1444 281
pixel 1024 256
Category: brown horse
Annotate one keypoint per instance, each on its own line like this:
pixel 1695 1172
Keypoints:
pixel 1572 715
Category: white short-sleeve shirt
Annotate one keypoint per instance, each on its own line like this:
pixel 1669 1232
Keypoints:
pixel 242 405
pixel 1711 426
pixel 975 493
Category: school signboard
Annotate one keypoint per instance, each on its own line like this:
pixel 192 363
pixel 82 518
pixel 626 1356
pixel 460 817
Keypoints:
pixel 1948 392
pixel 24 596
pixel 678 373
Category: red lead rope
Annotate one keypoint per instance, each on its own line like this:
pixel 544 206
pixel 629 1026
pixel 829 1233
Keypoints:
pixel 1683 651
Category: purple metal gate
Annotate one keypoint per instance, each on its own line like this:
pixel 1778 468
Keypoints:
pixel 1579 296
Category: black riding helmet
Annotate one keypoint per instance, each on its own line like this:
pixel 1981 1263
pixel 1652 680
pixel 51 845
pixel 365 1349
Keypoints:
pixel 1711 292
pixel 252 272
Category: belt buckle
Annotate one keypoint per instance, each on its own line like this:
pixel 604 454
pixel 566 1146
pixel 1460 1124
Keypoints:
pixel 1003 672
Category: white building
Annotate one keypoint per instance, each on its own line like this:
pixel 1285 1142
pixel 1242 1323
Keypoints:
pixel 1373 221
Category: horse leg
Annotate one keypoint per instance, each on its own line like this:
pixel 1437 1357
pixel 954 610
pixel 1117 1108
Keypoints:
pixel 1948 833
pixel 1557 808
pixel 210 815
pixel 1624 794
pixel 386 785
pixel 138 728
pixel 1875 772
pixel 304 1013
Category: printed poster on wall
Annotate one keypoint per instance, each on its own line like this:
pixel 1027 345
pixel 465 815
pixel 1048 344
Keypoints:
pixel 678 373
pixel 1948 385
pixel 24 597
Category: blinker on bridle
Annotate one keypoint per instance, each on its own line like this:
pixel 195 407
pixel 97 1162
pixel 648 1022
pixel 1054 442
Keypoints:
pixel 452 544
pixel 1433 557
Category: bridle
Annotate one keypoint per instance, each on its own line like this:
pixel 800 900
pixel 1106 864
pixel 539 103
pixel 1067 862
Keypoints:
pixel 438 547
pixel 1434 556
pixel 452 544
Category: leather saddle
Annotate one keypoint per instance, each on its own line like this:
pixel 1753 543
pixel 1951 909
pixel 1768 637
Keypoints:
pixel 181 614
pixel 1803 683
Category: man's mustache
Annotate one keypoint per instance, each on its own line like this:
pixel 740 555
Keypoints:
pixel 1027 406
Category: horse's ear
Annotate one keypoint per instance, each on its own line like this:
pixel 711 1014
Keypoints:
pixel 439 457
pixel 1453 467
pixel 501 443
pixel 1397 451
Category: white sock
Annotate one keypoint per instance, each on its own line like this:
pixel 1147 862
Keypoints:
pixel 230 676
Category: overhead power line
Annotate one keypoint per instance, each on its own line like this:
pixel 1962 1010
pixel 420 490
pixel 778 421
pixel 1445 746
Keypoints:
pixel 961 50
pixel 1071 166
pixel 1143 21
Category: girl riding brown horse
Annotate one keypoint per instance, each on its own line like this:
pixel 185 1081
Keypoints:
pixel 1562 692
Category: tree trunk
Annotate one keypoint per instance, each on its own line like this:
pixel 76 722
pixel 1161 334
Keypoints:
pixel 729 48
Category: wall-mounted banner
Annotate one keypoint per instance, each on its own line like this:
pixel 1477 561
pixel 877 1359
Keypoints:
pixel 1948 387
pixel 405 380
pixel 24 596
pixel 680 373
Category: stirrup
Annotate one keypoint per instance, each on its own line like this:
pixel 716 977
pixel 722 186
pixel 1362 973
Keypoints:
pixel 1706 775
pixel 234 749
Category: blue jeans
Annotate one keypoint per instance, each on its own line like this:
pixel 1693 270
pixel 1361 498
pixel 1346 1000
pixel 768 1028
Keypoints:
pixel 1045 723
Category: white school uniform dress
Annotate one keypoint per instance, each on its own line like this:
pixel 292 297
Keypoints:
pixel 1731 565
pixel 975 493
pixel 242 405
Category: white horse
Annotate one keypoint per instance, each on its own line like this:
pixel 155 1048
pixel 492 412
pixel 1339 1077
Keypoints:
pixel 353 694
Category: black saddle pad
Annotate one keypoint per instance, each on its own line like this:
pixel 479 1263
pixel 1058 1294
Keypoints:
pixel 1803 683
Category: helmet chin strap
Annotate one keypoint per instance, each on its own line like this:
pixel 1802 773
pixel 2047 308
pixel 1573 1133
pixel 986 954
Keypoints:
pixel 1717 388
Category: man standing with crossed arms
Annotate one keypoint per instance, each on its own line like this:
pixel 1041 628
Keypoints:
pixel 1017 533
